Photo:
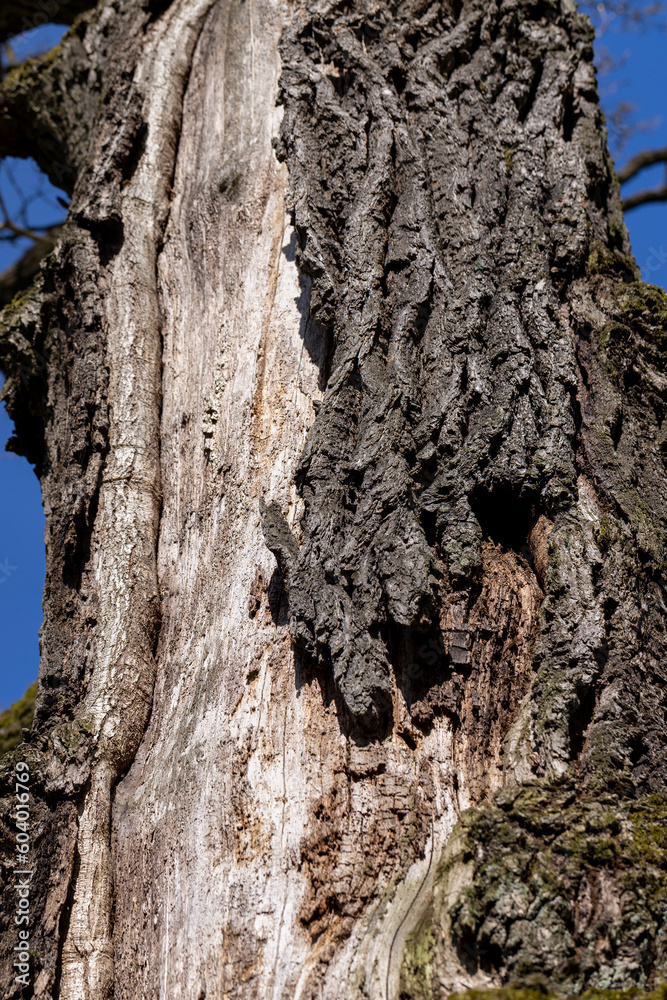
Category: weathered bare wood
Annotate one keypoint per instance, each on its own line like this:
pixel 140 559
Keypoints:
pixel 119 693
pixel 434 388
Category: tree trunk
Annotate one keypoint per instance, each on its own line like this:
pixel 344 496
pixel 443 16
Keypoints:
pixel 349 411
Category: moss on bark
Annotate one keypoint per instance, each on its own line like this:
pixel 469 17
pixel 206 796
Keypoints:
pixel 566 892
pixel 519 993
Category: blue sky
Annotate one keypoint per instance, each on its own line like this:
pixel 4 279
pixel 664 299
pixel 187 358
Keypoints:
pixel 641 80
pixel 22 564
pixel 21 570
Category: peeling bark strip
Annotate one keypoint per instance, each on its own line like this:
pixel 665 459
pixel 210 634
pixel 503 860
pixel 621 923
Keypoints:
pixel 440 400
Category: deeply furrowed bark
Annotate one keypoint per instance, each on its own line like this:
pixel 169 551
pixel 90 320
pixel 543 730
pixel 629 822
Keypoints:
pixel 411 356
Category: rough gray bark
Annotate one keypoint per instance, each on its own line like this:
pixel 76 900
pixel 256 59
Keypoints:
pixel 474 189
pixel 408 353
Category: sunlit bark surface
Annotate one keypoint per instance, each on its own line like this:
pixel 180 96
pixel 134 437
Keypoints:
pixel 348 407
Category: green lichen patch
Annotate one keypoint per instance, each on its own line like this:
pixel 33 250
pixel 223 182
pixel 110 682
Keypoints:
pixel 416 971
pixel 518 993
pixel 72 735
pixel 567 893
pixel 511 993
pixel 603 261
pixel 629 318
pixel 633 340
pixel 639 327
pixel 15 719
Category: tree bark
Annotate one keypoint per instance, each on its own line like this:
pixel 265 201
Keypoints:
pixel 349 410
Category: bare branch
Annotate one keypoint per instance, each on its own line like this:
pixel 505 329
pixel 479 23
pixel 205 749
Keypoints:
pixel 644 198
pixel 629 15
pixel 17 231
pixel 22 273
pixel 646 159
